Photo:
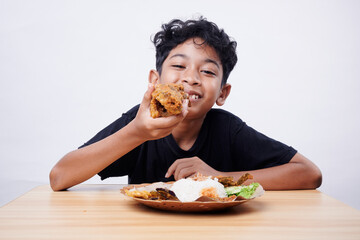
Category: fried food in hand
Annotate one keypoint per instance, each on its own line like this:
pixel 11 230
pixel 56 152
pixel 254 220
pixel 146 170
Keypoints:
pixel 167 100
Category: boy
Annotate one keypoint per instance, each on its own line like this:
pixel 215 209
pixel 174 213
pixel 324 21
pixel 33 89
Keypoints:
pixel 199 55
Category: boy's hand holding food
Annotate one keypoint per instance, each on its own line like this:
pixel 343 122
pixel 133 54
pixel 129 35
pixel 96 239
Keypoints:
pixel 150 128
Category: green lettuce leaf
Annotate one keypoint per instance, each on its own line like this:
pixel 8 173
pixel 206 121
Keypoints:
pixel 244 191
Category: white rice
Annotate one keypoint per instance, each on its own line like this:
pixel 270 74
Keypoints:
pixel 188 190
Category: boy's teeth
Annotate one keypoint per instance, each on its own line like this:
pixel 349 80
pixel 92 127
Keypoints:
pixel 194 96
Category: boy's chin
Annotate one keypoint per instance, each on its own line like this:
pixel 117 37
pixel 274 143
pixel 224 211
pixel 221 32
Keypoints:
pixel 194 114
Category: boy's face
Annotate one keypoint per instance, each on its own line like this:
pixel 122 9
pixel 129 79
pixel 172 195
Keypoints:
pixel 199 69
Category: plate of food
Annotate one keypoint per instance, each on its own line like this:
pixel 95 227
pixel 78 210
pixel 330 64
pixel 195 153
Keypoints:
pixel 195 194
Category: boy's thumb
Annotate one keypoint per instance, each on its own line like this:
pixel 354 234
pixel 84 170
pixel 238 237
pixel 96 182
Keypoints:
pixel 147 95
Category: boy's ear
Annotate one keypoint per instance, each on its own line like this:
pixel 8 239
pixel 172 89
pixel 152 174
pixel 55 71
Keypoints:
pixel 153 76
pixel 224 93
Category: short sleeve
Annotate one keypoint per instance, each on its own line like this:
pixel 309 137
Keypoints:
pixel 123 165
pixel 254 150
pixel 113 127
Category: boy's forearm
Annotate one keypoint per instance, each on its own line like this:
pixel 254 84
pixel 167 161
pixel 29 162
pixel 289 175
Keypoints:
pixel 81 164
pixel 299 173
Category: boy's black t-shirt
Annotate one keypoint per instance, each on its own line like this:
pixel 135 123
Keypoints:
pixel 225 143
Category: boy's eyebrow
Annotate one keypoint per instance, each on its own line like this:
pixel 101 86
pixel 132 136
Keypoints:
pixel 208 60
pixel 179 55
pixel 212 61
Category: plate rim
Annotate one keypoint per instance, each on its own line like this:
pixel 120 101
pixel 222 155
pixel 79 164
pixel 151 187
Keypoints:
pixel 178 206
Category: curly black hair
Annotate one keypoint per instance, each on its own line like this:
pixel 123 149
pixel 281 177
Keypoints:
pixel 177 31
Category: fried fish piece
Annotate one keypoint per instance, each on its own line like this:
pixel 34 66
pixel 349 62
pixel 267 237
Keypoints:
pixel 166 194
pixel 138 194
pixel 243 178
pixel 226 181
pixel 167 100
pixel 159 194
pixel 229 181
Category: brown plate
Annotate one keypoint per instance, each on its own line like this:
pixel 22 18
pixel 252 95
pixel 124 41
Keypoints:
pixel 203 204
pixel 196 206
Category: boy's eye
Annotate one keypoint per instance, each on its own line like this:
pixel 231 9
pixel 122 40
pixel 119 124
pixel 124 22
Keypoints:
pixel 177 66
pixel 209 72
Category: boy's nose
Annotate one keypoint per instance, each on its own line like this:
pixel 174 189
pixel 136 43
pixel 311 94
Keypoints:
pixel 191 78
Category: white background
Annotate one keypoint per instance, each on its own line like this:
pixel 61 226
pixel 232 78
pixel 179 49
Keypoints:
pixel 70 68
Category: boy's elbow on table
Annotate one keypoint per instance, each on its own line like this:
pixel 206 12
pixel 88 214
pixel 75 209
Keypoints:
pixel 55 180
pixel 317 178
pixel 312 176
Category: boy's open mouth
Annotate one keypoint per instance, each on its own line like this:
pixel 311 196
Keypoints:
pixel 194 97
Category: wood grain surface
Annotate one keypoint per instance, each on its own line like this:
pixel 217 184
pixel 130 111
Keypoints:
pixel 102 212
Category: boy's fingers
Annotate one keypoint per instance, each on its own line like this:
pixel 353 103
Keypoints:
pixel 169 122
pixel 177 166
pixel 183 168
pixel 149 91
pixel 170 171
pixel 185 172
pixel 147 98
pixel 185 107
pixel 147 95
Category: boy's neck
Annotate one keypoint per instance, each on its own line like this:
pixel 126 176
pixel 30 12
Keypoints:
pixel 186 133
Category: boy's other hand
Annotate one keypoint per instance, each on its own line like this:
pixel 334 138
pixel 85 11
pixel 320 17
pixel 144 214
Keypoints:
pixel 154 128
pixel 186 167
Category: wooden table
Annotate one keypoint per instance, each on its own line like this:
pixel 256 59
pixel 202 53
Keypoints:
pixel 102 212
